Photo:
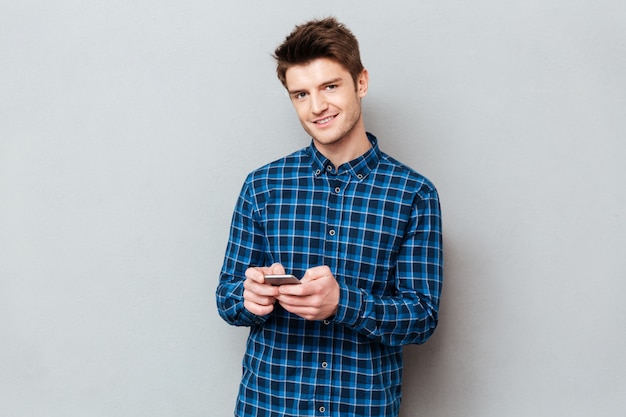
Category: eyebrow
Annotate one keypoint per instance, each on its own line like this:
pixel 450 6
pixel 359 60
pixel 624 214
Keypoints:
pixel 325 83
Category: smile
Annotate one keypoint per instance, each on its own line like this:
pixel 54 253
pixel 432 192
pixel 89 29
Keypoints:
pixel 324 121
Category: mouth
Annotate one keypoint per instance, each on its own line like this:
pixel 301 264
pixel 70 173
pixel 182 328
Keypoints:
pixel 324 121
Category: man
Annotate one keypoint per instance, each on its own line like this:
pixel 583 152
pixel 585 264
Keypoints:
pixel 363 232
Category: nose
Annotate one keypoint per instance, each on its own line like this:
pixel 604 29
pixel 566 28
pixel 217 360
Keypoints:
pixel 318 103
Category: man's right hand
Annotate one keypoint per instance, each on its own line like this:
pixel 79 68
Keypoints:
pixel 258 297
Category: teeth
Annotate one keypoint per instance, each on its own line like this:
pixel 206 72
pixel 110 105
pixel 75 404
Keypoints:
pixel 324 121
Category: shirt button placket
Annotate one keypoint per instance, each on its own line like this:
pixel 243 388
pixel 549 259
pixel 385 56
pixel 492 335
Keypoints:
pixel 333 217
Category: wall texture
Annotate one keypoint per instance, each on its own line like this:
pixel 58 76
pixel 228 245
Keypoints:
pixel 126 129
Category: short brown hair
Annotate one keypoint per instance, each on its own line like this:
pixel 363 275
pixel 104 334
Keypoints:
pixel 325 38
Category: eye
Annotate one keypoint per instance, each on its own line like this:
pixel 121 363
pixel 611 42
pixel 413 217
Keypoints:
pixel 332 87
pixel 299 96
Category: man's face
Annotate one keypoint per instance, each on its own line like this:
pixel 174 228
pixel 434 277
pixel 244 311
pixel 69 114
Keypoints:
pixel 326 100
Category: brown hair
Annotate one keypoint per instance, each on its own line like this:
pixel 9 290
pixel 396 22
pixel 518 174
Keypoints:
pixel 325 38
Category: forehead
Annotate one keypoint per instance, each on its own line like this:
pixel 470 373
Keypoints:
pixel 314 73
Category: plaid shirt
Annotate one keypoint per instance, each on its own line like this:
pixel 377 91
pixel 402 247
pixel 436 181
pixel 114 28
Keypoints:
pixel 377 224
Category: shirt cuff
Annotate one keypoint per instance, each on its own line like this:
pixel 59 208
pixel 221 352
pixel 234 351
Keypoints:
pixel 350 306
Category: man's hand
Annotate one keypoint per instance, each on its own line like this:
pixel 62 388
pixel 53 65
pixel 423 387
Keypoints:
pixel 259 297
pixel 316 298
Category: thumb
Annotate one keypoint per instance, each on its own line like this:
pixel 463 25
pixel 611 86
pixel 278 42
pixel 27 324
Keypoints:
pixel 316 272
pixel 277 268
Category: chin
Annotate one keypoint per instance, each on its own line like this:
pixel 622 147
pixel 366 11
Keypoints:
pixel 328 140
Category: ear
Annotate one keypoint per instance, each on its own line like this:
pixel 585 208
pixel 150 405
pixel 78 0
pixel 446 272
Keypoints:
pixel 362 83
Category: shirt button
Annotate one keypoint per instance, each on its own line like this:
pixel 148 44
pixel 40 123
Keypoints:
pixel 359 176
pixel 327 322
pixel 331 232
pixel 322 409
pixel 324 364
pixel 337 190
pixel 329 168
pixel 317 172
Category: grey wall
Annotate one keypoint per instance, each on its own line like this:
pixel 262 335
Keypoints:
pixel 127 127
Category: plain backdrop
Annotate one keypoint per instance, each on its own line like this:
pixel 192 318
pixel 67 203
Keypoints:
pixel 127 128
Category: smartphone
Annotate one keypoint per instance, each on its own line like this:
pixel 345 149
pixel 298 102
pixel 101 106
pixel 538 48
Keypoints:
pixel 281 279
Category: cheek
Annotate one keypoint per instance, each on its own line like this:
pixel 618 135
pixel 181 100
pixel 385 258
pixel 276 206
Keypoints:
pixel 301 111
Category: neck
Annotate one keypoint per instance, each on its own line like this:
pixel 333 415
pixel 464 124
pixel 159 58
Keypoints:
pixel 345 149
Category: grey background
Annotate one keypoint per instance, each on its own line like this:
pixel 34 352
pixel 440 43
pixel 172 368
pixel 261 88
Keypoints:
pixel 127 128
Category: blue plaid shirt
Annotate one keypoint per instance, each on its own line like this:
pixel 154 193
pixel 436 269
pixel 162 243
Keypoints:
pixel 377 224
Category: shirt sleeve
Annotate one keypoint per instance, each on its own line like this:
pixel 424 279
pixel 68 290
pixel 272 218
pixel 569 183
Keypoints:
pixel 410 315
pixel 245 248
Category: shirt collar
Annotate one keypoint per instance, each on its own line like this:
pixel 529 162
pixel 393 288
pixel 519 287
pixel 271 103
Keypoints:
pixel 359 168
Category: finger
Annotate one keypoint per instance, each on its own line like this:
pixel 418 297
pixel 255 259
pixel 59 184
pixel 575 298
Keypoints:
pixel 260 288
pixel 306 312
pixel 259 294
pixel 255 274
pixel 292 300
pixel 316 272
pixel 276 268
pixel 259 310
pixel 298 290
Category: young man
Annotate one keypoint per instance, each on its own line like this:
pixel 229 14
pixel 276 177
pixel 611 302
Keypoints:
pixel 361 230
